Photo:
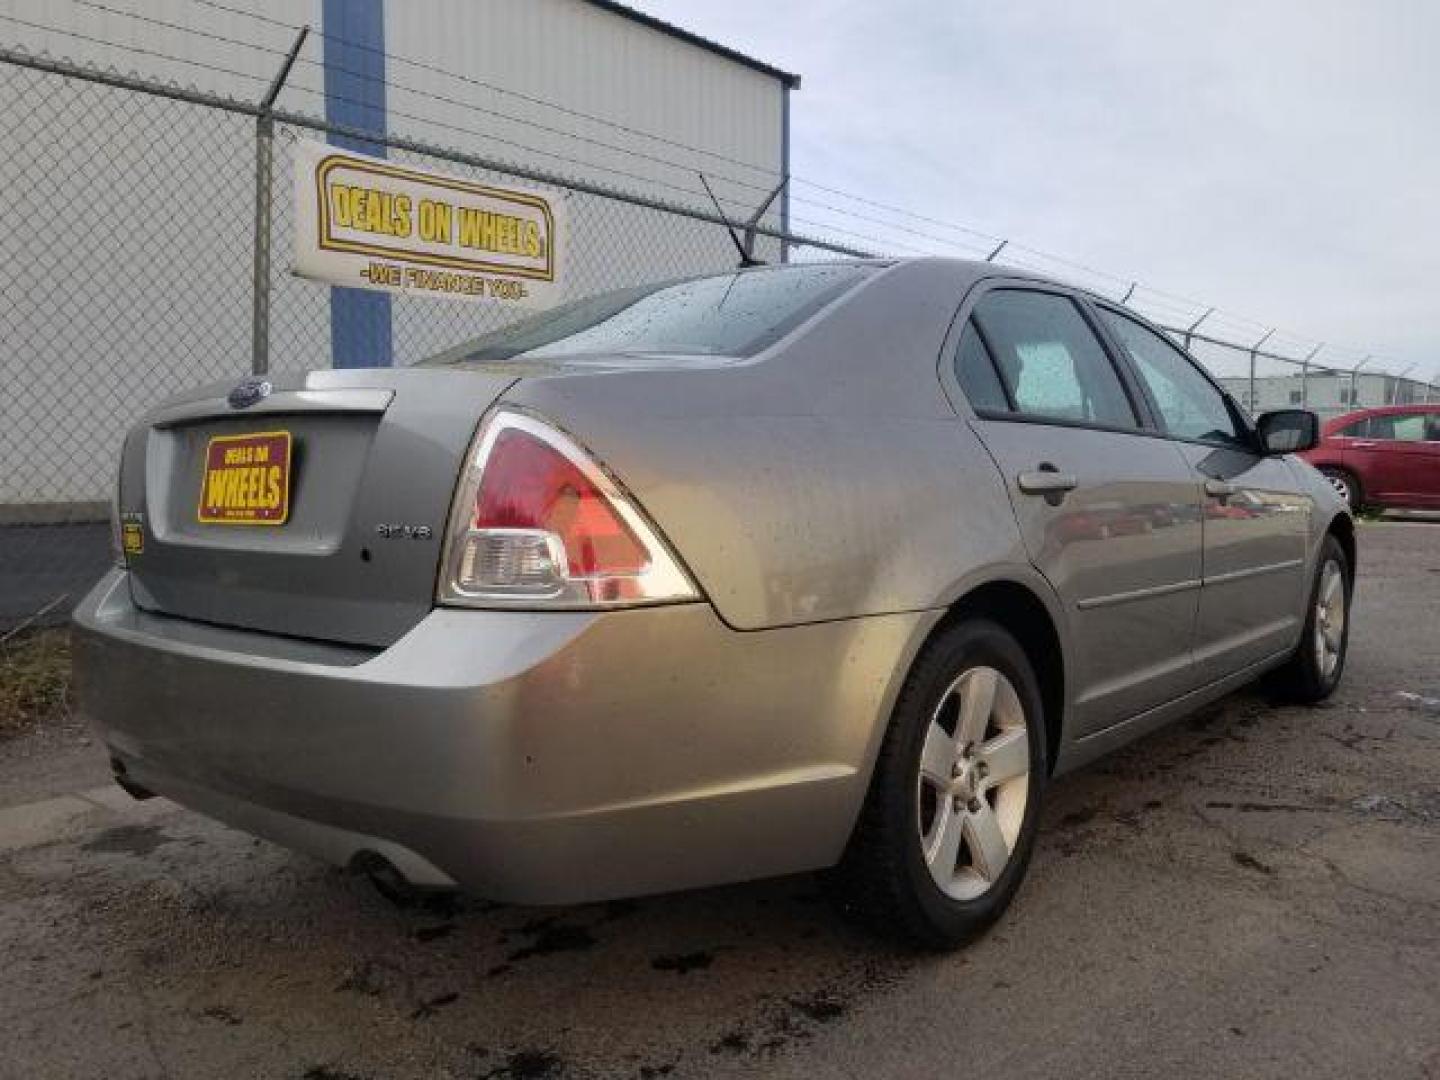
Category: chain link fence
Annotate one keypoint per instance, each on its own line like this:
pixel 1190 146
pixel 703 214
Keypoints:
pixel 1263 367
pixel 128 223
pixel 100 187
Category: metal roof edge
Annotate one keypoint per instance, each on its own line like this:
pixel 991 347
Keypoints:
pixel 625 11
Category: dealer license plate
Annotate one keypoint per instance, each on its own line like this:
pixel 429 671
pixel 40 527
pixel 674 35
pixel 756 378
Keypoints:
pixel 246 480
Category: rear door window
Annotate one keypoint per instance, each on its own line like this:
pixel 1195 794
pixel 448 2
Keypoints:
pixel 1398 427
pixel 1050 362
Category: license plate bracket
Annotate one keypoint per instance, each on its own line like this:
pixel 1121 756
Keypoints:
pixel 245 479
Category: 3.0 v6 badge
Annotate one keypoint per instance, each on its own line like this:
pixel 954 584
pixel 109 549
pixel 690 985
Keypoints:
pixel 388 531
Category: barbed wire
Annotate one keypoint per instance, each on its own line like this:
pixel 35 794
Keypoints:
pixel 505 91
pixel 392 85
pixel 149 86
pixel 524 147
pixel 137 49
pixel 1177 308
pixel 431 95
pixel 379 136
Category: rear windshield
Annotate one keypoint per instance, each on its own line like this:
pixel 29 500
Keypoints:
pixel 735 314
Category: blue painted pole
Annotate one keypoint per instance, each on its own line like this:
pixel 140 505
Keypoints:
pixel 360 320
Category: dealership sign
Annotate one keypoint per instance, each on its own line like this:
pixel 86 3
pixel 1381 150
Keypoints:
pixel 375 224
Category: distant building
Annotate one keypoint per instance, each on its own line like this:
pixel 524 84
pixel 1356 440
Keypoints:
pixel 1329 393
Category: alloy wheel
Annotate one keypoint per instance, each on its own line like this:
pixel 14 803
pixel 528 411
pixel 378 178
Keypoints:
pixel 1330 616
pixel 974 783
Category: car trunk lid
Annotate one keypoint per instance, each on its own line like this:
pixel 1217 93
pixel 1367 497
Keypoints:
pixel 348 549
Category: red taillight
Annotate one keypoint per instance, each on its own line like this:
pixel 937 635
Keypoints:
pixel 538 523
pixel 528 484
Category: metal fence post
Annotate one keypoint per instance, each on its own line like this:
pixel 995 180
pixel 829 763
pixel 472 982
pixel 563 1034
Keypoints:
pixel 264 160
pixel 1305 374
pixel 1398 381
pixel 1354 376
pixel 1190 330
pixel 1255 351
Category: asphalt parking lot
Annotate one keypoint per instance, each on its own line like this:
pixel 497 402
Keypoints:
pixel 45 569
pixel 1253 892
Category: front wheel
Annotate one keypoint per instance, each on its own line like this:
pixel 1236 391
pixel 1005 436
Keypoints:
pixel 1313 673
pixel 948 825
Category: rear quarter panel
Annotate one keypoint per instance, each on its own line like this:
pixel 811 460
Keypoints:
pixel 827 478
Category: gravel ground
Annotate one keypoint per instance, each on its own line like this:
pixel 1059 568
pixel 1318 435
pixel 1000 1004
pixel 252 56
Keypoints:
pixel 1253 892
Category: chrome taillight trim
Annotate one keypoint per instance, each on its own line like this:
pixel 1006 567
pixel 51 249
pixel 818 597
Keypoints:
pixel 664 581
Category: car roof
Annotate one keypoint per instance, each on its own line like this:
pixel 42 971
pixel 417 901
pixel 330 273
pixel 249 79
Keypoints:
pixel 974 269
pixel 1388 410
pixel 1414 406
pixel 1346 419
pixel 979 269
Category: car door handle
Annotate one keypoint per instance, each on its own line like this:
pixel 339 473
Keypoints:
pixel 1362 445
pixel 1047 482
pixel 1220 489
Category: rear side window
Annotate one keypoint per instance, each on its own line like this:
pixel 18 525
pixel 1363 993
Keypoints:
pixel 977 375
pixel 1189 404
pixel 735 314
pixel 1050 361
pixel 1400 427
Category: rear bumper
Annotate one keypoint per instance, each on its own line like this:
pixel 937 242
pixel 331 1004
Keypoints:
pixel 528 757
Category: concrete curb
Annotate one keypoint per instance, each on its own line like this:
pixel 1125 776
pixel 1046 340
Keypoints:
pixel 33 824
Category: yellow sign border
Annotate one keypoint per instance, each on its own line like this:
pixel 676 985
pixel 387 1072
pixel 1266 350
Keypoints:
pixel 327 242
pixel 216 440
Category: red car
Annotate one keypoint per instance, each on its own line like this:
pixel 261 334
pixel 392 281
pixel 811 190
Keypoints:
pixel 1385 458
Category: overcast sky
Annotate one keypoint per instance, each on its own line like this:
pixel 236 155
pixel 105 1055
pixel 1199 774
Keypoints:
pixel 1278 159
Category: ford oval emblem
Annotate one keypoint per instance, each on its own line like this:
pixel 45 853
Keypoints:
pixel 248 393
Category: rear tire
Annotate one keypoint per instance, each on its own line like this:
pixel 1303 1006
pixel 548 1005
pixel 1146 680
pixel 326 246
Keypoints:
pixel 1347 486
pixel 1313 673
pixel 949 823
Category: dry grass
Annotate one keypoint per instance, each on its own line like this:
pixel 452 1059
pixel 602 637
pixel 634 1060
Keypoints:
pixel 34 680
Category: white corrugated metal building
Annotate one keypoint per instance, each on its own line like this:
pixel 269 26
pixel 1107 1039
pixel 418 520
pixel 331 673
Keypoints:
pixel 1324 391
pixel 136 214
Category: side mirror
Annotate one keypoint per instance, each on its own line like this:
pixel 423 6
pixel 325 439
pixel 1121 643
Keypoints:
pixel 1288 431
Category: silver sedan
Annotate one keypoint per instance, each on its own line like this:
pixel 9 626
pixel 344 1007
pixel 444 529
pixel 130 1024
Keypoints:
pixel 826 567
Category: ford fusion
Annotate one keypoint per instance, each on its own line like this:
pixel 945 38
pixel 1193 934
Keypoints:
pixel 826 567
